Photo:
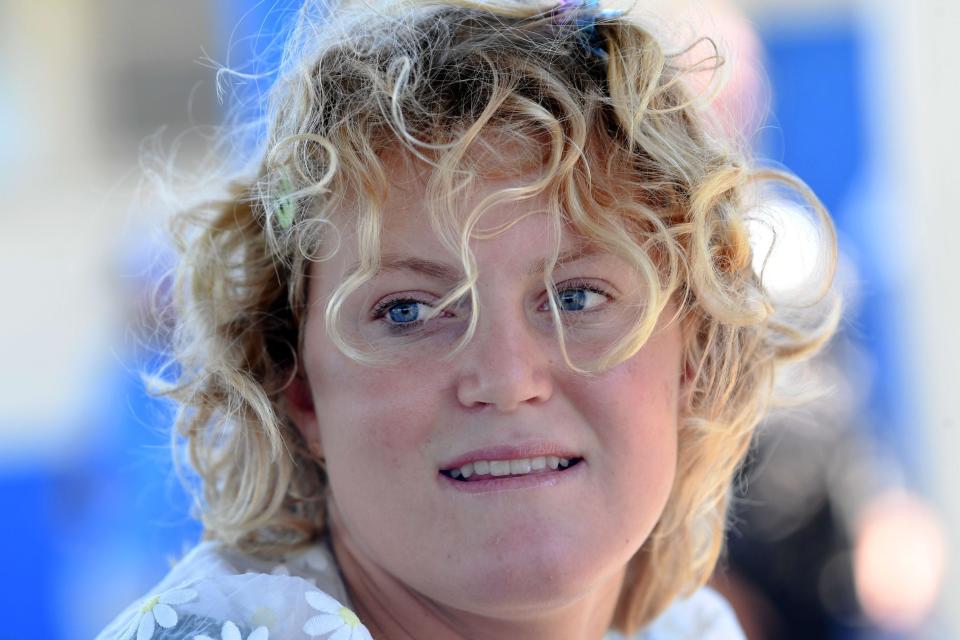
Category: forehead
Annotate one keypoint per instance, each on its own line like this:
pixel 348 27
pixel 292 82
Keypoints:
pixel 404 208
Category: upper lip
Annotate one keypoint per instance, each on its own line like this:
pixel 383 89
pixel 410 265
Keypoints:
pixel 533 449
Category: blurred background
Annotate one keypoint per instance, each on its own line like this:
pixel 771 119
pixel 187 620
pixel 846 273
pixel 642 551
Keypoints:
pixel 846 518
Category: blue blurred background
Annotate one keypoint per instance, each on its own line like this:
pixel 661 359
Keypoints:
pixel 861 99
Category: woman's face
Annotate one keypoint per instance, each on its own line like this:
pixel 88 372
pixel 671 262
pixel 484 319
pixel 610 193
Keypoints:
pixel 527 532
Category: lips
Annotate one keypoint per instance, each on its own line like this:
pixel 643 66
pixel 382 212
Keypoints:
pixel 507 460
pixel 481 470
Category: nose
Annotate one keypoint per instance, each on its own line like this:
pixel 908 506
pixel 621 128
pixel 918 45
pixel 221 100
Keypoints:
pixel 506 365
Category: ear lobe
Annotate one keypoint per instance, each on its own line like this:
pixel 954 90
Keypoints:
pixel 300 408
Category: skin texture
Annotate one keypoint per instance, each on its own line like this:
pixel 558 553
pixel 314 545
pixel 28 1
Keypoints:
pixel 422 559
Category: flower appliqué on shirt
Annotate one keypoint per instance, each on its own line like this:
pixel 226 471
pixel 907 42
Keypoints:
pixel 335 620
pixel 158 610
pixel 230 631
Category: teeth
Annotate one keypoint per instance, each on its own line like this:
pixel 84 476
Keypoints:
pixel 499 467
pixel 509 467
pixel 520 466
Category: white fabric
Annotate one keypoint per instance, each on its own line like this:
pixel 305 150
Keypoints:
pixel 217 593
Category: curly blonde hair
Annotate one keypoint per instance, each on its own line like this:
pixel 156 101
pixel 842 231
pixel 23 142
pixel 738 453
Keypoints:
pixel 628 162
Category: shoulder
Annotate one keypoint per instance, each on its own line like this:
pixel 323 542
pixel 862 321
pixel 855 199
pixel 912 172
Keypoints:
pixel 704 615
pixel 216 593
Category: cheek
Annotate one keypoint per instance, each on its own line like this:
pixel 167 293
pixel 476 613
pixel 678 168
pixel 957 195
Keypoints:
pixel 634 410
pixel 652 400
pixel 633 398
pixel 373 415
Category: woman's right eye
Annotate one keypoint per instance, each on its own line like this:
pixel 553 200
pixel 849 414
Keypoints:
pixel 405 311
pixel 402 313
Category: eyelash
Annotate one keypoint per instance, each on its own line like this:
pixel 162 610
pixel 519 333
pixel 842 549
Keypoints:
pixel 382 308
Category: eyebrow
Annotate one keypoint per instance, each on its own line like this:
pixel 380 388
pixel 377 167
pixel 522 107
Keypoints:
pixel 565 257
pixel 449 273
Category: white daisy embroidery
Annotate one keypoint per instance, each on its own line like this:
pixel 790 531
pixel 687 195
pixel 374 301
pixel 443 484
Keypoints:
pixel 335 620
pixel 263 617
pixel 157 610
pixel 230 631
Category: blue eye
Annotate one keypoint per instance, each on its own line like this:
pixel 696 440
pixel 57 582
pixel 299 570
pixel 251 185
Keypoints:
pixel 404 311
pixel 572 300
pixel 579 298
pixel 402 314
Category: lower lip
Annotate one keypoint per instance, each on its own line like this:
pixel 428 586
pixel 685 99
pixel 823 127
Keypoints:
pixel 511 483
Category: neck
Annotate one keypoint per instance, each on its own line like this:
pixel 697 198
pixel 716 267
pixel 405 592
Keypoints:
pixel 393 611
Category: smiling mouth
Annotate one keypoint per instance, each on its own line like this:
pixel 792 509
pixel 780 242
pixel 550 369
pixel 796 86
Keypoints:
pixel 481 470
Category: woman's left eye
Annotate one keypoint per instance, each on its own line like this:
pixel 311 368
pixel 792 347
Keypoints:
pixel 578 298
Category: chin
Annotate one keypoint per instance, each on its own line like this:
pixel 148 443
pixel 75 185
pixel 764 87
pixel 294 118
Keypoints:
pixel 513 579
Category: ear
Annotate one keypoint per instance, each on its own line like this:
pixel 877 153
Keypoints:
pixel 688 369
pixel 300 408
pixel 687 375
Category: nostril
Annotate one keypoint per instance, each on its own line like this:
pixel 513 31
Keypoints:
pixel 505 393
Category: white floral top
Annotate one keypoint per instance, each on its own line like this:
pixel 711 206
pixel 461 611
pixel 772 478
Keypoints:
pixel 218 593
